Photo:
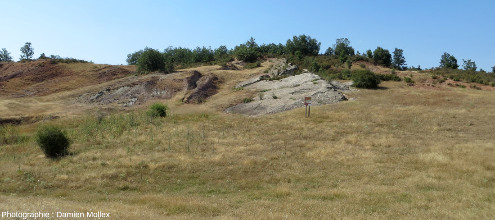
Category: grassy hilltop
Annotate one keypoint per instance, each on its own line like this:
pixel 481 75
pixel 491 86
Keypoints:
pixel 421 147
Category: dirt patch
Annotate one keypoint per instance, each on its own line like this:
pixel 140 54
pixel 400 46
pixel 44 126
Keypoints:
pixel 288 93
pixel 41 77
pixel 109 73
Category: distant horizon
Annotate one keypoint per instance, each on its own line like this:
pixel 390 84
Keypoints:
pixel 105 32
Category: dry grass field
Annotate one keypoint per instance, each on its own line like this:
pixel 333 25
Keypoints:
pixel 398 152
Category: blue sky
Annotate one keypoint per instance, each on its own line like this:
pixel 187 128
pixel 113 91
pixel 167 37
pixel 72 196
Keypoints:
pixel 105 31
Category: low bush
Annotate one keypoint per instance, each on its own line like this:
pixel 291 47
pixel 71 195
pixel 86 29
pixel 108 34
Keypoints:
pixel 409 80
pixel 157 110
pixel 365 79
pixel 53 141
pixel 389 77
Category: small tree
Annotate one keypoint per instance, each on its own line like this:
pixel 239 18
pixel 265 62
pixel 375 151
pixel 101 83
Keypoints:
pixel 448 61
pixel 203 55
pixel 5 56
pixel 42 56
pixel 399 62
pixel 27 51
pixel 343 49
pixel 132 58
pixel 329 51
pixel 382 57
pixel 152 60
pixel 469 65
pixel 369 53
pixel 493 69
pixel 306 45
pixel 248 51
pixel 221 53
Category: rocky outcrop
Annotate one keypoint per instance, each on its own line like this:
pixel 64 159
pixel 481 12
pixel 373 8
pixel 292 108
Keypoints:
pixel 133 92
pixel 288 93
pixel 206 87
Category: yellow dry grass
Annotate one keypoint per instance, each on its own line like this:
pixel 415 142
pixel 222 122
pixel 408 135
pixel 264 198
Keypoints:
pixel 398 152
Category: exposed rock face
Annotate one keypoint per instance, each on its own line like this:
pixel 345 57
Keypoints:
pixel 287 94
pixel 206 87
pixel 281 67
pixel 159 86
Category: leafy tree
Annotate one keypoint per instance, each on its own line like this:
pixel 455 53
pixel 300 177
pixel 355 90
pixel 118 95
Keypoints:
pixel 329 51
pixel 448 61
pixel 369 53
pixel 5 55
pixel 399 62
pixel 272 49
pixel 306 45
pixel 382 57
pixel 132 58
pixel 152 60
pixel 221 52
pixel 469 65
pixel 27 51
pixel 203 55
pixel 180 55
pixel 248 51
pixel 42 56
pixel 343 49
pixel 493 69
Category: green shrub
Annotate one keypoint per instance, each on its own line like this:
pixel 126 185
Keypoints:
pixel 493 84
pixel 345 74
pixel 409 80
pixel 53 141
pixel 365 79
pixel 157 110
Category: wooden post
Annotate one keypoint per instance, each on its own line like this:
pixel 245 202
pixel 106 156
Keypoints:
pixel 307 103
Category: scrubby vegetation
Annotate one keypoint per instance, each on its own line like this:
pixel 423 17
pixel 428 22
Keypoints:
pixel 53 141
pixel 157 110
pixel 365 79
pixel 468 76
pixel 9 134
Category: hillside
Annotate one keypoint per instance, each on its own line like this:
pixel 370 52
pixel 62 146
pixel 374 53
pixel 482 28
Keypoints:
pixel 405 150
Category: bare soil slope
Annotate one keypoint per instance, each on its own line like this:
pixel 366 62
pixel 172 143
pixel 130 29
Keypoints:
pixel 41 77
